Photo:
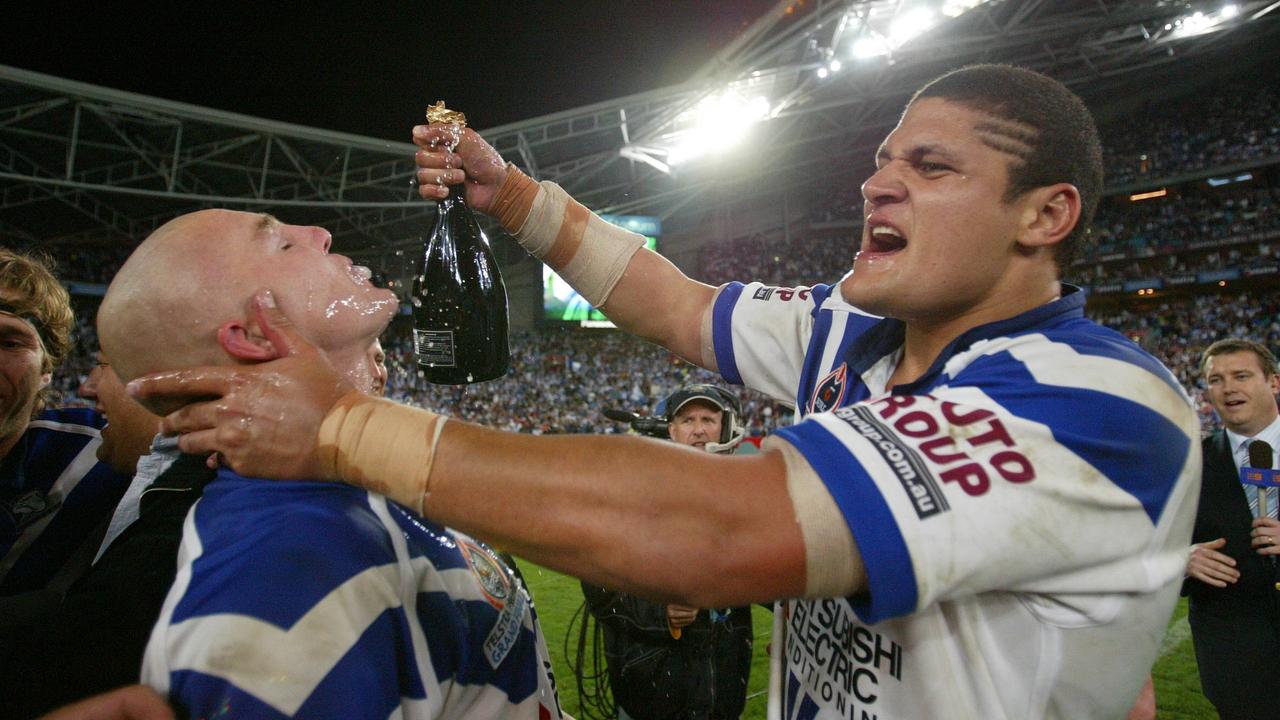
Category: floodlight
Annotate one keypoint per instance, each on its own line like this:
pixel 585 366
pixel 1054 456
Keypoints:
pixel 1229 11
pixel 834 65
pixel 822 72
pixel 717 122
pixel 870 46
pixel 910 24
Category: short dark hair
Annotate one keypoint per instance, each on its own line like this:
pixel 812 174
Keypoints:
pixel 1235 345
pixel 1057 141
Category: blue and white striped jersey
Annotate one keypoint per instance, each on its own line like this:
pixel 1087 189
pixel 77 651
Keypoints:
pixel 319 600
pixel 53 494
pixel 1023 509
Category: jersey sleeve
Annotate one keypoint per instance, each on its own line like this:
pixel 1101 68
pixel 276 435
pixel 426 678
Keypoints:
pixel 282 612
pixel 760 335
pixel 1038 467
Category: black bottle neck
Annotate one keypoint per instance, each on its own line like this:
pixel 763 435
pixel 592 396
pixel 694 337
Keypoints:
pixel 457 194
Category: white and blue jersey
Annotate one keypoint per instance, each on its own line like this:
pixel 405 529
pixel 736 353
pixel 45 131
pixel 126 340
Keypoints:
pixel 54 493
pixel 1023 509
pixel 320 600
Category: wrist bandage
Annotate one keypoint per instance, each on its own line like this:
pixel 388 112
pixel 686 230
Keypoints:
pixel 828 544
pixel 589 253
pixel 380 446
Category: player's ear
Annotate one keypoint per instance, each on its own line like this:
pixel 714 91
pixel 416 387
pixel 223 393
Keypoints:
pixel 244 343
pixel 1049 215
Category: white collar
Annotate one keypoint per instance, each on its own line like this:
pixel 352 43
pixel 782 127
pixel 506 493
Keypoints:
pixel 1270 433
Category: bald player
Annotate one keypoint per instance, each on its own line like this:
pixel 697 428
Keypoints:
pixel 309 599
pixel 986 507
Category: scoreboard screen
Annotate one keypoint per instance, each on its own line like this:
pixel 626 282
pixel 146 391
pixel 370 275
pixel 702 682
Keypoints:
pixel 561 303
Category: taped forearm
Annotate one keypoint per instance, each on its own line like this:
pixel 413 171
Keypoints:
pixel 833 566
pixel 380 446
pixel 589 253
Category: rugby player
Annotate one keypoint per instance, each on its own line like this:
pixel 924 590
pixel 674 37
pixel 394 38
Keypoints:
pixel 986 507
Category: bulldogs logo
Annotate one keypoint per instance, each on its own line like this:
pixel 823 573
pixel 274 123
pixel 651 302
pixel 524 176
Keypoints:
pixel 830 390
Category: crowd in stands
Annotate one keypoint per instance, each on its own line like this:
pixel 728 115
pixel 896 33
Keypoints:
pixel 1168 138
pixel 561 380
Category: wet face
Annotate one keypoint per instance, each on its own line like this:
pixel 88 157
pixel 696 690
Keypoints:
pixel 938 238
pixel 21 359
pixel 1242 394
pixel 328 296
pixel 130 428
pixel 378 369
pixel 329 299
pixel 696 424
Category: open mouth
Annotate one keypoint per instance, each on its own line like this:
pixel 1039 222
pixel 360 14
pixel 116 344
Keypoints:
pixel 359 274
pixel 884 239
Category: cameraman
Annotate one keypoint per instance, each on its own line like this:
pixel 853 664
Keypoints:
pixel 668 661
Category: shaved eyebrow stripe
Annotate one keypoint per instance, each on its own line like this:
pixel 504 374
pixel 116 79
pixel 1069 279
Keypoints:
pixel 1011 138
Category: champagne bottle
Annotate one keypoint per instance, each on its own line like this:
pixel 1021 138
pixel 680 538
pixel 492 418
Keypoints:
pixel 459 300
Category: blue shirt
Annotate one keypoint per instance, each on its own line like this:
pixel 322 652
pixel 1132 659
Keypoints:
pixel 324 601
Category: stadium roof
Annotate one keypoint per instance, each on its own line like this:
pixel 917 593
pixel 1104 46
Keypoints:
pixel 810 87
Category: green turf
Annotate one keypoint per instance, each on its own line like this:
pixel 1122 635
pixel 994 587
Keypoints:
pixel 557 597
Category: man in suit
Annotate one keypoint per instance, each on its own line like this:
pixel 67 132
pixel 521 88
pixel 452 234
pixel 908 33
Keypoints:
pixel 1235 604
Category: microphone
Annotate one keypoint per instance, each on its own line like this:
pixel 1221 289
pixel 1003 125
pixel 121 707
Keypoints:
pixel 1260 456
pixel 650 426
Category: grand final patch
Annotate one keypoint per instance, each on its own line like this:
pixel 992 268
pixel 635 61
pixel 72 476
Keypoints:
pixel 501 591
pixel 830 390
pixel 489 571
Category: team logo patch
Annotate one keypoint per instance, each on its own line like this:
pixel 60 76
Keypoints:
pixel 494 580
pixel 762 293
pixel 830 390
pixel 33 506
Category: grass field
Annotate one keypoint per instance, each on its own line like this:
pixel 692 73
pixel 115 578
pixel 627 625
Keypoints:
pixel 558 597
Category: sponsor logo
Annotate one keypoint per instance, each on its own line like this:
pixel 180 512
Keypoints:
pixel 837 667
pixel 964 445
pixel 830 390
pixel 926 497
pixel 781 293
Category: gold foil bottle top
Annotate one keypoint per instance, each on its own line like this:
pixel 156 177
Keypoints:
pixel 438 113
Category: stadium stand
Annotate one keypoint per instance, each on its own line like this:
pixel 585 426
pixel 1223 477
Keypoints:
pixel 1205 257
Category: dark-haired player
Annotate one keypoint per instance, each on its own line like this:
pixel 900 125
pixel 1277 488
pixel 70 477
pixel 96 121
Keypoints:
pixel 987 504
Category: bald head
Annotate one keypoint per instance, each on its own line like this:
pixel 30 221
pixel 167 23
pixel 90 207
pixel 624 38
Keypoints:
pixel 184 297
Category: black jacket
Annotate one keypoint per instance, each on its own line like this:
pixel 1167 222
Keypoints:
pixel 1236 629
pixel 657 677
pixel 93 641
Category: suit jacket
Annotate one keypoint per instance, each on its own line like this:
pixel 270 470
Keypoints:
pixel 1236 629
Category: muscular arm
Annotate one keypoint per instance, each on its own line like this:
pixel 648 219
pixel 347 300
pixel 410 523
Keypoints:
pixel 633 514
pixel 708 530
pixel 661 304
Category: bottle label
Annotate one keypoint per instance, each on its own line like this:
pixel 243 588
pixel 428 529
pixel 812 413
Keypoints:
pixel 434 347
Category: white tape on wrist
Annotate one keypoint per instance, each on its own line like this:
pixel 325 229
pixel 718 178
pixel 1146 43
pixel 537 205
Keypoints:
pixel 829 549
pixel 589 253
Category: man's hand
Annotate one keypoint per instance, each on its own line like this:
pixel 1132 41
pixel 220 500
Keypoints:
pixel 1266 536
pixel 262 419
pixel 1209 566
pixel 135 702
pixel 473 161
pixel 679 616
